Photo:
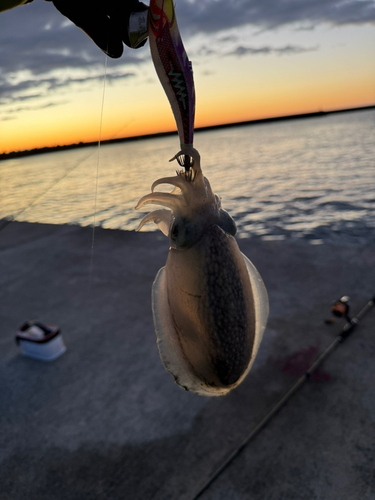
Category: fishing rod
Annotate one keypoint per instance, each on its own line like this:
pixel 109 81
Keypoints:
pixel 339 339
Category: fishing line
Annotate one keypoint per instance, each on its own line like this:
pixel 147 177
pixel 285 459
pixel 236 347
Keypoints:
pixel 123 128
pixel 9 219
pixel 97 171
pixel 343 335
pixel 40 196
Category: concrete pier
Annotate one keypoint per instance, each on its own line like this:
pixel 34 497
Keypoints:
pixel 106 421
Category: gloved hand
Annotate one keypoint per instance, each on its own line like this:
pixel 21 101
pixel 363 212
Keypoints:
pixel 106 22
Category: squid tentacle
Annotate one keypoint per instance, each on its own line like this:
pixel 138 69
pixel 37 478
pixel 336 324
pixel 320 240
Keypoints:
pixel 175 181
pixel 162 218
pixel 169 200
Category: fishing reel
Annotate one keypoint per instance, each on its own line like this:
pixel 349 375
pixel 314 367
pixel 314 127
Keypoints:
pixel 339 309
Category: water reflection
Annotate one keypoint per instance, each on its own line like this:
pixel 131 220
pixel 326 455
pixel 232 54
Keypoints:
pixel 307 178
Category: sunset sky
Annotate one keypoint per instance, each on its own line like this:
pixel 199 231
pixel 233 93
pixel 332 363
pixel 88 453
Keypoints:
pixel 252 59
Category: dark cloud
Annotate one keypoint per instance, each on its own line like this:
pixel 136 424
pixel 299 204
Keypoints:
pixel 210 16
pixel 41 39
pixel 45 86
pixel 41 106
pixel 36 38
pixel 288 49
pixel 305 28
pixel 241 50
pixel 204 51
pixel 11 114
pixel 20 109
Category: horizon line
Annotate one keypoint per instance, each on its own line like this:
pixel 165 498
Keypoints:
pixel 50 149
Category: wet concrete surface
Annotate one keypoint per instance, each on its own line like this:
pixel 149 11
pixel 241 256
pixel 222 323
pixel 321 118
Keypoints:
pixel 106 421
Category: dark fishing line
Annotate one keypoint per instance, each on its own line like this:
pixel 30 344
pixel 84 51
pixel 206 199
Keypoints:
pixel 346 331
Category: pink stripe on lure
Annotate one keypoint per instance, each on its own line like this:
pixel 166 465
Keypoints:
pixel 173 68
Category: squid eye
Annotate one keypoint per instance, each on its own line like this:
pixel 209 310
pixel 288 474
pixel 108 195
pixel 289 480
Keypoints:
pixel 184 233
pixel 180 233
pixel 174 232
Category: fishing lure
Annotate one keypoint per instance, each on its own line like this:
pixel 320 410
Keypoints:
pixel 209 303
pixel 174 70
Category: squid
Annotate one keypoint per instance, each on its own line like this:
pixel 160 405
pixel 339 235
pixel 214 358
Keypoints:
pixel 209 303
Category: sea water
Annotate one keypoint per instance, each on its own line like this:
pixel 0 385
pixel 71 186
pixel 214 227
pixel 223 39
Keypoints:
pixel 308 178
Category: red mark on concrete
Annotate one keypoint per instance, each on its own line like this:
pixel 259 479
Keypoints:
pixel 298 363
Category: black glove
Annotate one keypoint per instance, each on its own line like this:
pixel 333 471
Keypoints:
pixel 106 22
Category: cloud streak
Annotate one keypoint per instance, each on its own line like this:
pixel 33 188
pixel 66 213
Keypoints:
pixel 10 92
pixel 210 16
pixel 287 50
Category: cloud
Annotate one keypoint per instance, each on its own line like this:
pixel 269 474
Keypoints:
pixel 14 92
pixel 36 40
pixel 40 50
pixel 241 50
pixel 210 16
pixel 11 114
pixel 288 49
pixel 305 28
pixel 19 109
pixel 38 37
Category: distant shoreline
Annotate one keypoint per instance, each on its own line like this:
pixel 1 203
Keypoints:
pixel 37 151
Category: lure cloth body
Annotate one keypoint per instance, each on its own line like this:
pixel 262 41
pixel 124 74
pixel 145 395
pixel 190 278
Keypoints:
pixel 173 67
pixel 210 306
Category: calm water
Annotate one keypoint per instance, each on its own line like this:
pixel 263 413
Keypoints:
pixel 311 179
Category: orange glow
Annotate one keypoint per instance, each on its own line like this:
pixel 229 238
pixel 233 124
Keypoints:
pixel 333 70
pixel 149 112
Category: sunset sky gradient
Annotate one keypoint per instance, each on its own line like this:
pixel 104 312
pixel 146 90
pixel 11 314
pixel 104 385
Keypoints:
pixel 251 60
